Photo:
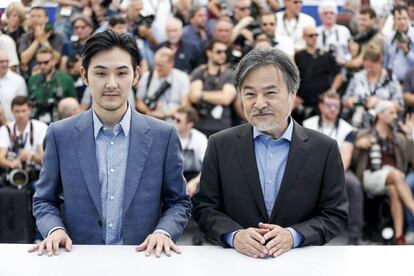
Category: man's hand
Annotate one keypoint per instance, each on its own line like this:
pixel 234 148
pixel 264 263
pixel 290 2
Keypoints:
pixel 40 35
pixel 15 164
pixel 251 242
pixel 56 239
pixel 25 155
pixel 159 242
pixel 193 186
pixel 279 239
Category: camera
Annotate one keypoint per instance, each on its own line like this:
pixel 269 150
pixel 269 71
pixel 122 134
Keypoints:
pixel 151 101
pixel 204 109
pixel 401 37
pixel 19 178
pixel 254 27
pixel 145 21
pixel 48 27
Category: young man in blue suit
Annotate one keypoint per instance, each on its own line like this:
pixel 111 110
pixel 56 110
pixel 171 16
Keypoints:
pixel 111 175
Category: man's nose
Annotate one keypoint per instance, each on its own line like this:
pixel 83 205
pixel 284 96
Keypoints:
pixel 111 82
pixel 260 102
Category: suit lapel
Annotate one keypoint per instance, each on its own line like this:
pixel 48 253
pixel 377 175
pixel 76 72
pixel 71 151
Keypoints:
pixel 297 155
pixel 86 152
pixel 140 141
pixel 247 160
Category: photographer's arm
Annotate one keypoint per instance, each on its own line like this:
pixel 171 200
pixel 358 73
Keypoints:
pixel 218 97
pixel 8 164
pixel 141 106
pixel 240 29
pixel 38 157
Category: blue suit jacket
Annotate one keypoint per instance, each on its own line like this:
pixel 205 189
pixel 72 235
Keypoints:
pixel 68 193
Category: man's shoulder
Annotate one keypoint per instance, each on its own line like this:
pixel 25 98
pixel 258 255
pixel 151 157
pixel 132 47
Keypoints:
pixel 14 76
pixel 314 136
pixel 179 74
pixel 68 124
pixel 39 124
pixel 156 125
pixel 306 19
pixel 311 122
pixel 233 133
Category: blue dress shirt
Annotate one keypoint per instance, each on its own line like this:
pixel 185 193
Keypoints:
pixel 271 157
pixel 111 155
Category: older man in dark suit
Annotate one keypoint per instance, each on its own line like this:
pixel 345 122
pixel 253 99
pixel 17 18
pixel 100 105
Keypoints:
pixel 270 185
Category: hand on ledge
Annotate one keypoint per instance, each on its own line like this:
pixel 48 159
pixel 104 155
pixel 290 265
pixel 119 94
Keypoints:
pixel 160 243
pixel 56 239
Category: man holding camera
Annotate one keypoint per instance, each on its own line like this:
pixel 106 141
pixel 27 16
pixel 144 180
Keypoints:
pixel 212 90
pixel 21 140
pixel 162 90
pixel 48 87
pixel 41 34
pixel 398 53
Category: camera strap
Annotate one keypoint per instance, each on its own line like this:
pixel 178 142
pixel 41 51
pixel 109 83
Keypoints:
pixel 324 37
pixel 292 32
pixel 151 73
pixel 13 137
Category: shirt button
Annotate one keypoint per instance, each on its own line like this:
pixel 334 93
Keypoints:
pixel 110 225
pixel 271 156
pixel 112 143
pixel 111 170
pixel 111 197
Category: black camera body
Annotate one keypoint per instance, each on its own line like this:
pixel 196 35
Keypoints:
pixel 151 101
pixel 145 21
pixel 401 37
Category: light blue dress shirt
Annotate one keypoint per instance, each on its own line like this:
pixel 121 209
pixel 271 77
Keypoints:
pixel 271 157
pixel 111 155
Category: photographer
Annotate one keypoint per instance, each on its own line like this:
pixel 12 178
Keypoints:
pixel 162 90
pixel 21 140
pixel 368 88
pixel 245 26
pixel 381 156
pixel 399 48
pixel 48 87
pixel 41 35
pixel 212 90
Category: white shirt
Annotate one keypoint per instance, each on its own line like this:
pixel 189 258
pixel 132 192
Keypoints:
pixel 11 85
pixel 39 132
pixel 337 38
pixel 9 46
pixel 162 11
pixel 285 44
pixel 338 133
pixel 197 142
pixel 294 28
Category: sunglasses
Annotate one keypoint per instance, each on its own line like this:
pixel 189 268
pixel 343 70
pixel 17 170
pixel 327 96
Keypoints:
pixel 312 35
pixel 43 62
pixel 268 24
pixel 243 8
pixel 81 27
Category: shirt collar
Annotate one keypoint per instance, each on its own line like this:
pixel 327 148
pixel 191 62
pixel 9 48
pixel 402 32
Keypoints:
pixel 125 123
pixel 287 135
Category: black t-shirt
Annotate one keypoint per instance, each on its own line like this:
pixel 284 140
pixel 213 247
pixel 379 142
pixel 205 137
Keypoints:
pixel 316 74
pixel 207 123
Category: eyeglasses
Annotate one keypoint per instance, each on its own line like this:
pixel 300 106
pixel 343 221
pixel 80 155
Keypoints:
pixel 332 105
pixel 328 13
pixel 219 52
pixel 312 35
pixel 43 62
pixel 4 61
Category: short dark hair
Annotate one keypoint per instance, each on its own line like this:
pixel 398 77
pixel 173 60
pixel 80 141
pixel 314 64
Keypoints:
pixel 108 40
pixel 40 8
pixel 211 43
pixel 117 19
pixel 399 9
pixel 45 50
pixel 20 100
pixel 370 11
pixel 329 94
pixel 191 113
pixel 410 3
pixel 194 10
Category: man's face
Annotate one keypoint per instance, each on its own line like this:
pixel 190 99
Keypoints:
pixel 223 32
pixel 241 9
pixel 174 33
pixel 388 116
pixel 218 54
pixel 372 67
pixel 365 23
pixel 265 99
pixel 110 77
pixel 163 66
pixel 120 28
pixel 37 18
pixel 294 6
pixel 329 108
pixel 200 18
pixel 268 25
pixel 411 12
pixel 180 122
pixel 45 62
pixel 82 30
pixel 134 9
pixel 328 16
pixel 310 35
pixel 21 113
pixel 401 20
pixel 4 63
pixel 13 19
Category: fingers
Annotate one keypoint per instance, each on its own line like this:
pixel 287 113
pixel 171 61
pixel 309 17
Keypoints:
pixel 49 247
pixel 55 247
pixel 33 248
pixel 68 245
pixel 160 243
pixel 41 248
pixel 158 249
pixel 175 248
pixel 142 246
pixel 150 246
pixel 250 243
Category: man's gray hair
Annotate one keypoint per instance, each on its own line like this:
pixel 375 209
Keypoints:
pixel 268 56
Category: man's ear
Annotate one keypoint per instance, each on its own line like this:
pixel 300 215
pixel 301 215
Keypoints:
pixel 137 74
pixel 84 76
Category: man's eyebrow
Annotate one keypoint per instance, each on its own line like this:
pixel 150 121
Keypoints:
pixel 117 68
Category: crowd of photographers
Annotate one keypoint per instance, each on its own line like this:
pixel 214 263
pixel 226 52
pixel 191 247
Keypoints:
pixel 356 69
